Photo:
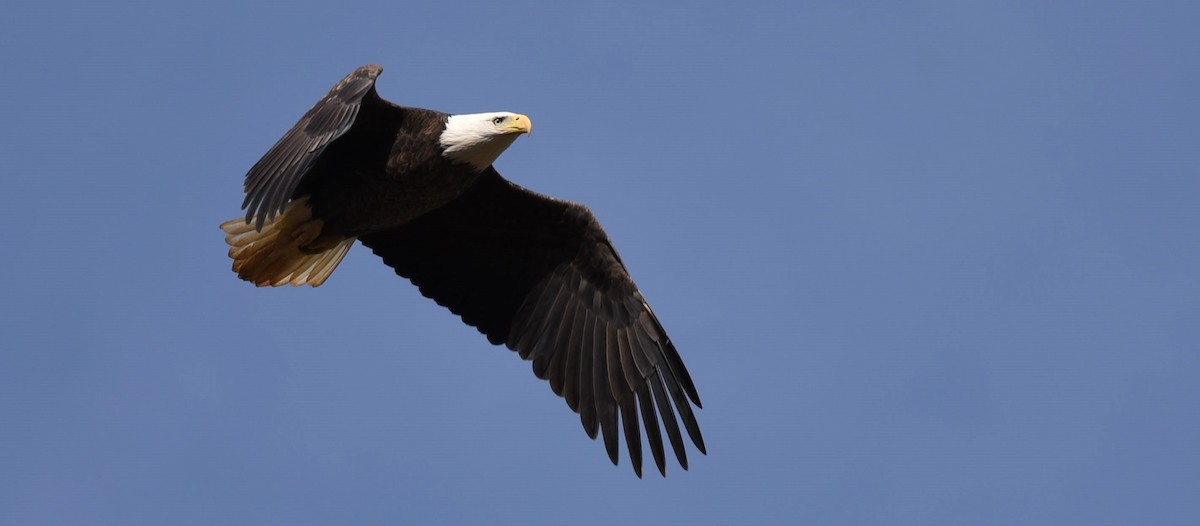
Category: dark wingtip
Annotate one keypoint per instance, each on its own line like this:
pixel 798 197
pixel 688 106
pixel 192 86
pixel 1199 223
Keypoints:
pixel 591 428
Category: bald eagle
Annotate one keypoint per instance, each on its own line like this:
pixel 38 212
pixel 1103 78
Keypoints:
pixel 531 272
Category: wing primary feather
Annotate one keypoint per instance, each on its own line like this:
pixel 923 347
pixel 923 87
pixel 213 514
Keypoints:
pixel 689 419
pixel 587 401
pixel 685 410
pixel 616 376
pixel 670 355
pixel 668 420
pixel 653 435
pixel 608 428
pixel 680 371
pixel 277 164
pixel 254 199
pixel 649 349
pixel 629 367
pixel 668 377
pixel 260 173
pixel 606 410
pixel 266 202
pixel 637 351
pixel 629 420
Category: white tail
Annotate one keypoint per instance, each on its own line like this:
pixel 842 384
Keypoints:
pixel 273 257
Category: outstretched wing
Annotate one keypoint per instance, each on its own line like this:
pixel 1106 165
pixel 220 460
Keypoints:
pixel 540 276
pixel 270 182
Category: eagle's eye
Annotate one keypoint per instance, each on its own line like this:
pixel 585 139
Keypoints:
pixel 498 120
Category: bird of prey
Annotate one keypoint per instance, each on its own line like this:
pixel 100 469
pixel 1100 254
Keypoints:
pixel 531 272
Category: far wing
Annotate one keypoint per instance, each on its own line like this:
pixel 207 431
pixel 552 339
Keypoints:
pixel 540 276
pixel 270 182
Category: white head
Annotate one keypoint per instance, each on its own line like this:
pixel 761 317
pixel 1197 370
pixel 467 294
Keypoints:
pixel 479 138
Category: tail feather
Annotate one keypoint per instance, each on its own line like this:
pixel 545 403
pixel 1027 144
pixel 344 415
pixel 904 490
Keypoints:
pixel 273 256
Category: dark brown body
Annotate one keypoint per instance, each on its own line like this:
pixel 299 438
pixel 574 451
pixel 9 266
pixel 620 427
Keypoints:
pixel 385 171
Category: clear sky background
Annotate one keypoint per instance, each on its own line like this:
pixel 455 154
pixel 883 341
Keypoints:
pixel 928 263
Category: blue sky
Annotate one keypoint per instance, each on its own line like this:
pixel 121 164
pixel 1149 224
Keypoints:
pixel 928 263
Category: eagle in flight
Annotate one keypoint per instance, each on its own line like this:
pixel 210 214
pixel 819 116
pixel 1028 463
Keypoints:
pixel 531 272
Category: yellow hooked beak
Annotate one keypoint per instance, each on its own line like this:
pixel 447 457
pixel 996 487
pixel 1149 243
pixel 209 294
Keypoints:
pixel 519 124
